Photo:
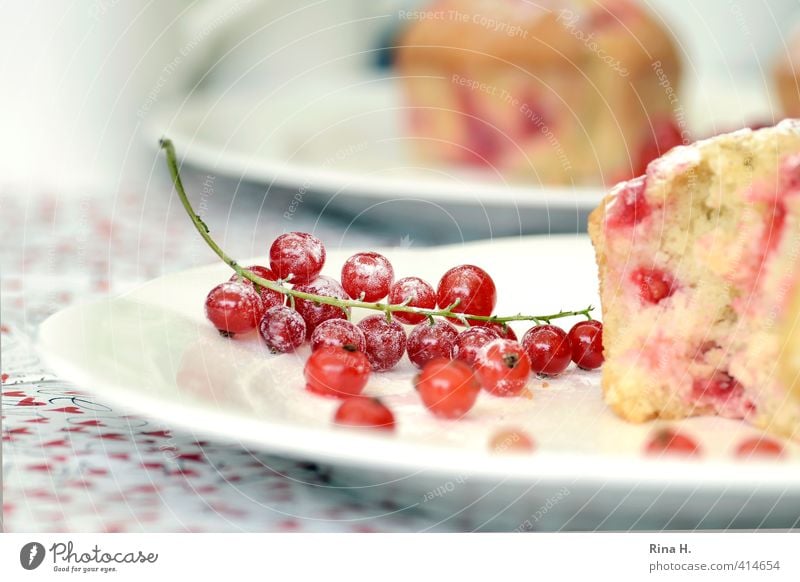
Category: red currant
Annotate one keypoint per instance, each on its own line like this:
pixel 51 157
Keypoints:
pixel 282 329
pixel 448 388
pixel 428 341
pixel 362 411
pixel 629 206
pixel 668 441
pixel 469 342
pixel 368 273
pixel 316 313
pixel 720 387
pixel 336 333
pixel 298 254
pixel 417 292
pixel 339 372
pixel 759 447
pixel 472 286
pixel 653 284
pixel 386 341
pixel 511 441
pixel 548 349
pixel 269 298
pixel 502 330
pixel 586 339
pixel 503 368
pixel 233 307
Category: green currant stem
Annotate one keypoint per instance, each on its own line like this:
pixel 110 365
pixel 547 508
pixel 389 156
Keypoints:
pixel 345 304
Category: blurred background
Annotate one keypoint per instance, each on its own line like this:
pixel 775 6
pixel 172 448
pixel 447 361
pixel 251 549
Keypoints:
pixel 304 110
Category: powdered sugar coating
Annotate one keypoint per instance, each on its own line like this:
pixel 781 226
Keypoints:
pixel 420 293
pixel 426 342
pixel 472 286
pixel 315 313
pixel 337 333
pixel 269 298
pixel 282 329
pixel 468 343
pixel 368 273
pixel 298 254
pixel 386 341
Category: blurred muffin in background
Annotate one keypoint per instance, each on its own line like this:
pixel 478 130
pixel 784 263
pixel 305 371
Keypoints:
pixel 787 81
pixel 560 91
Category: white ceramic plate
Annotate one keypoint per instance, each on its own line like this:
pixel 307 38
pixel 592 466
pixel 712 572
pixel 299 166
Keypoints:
pixel 152 351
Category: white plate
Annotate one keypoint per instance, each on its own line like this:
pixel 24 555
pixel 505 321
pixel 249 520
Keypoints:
pixel 345 138
pixel 152 351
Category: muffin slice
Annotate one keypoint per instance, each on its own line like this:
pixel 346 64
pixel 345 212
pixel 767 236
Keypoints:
pixel 698 264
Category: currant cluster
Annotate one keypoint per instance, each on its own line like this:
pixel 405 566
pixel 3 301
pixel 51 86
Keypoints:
pixel 303 305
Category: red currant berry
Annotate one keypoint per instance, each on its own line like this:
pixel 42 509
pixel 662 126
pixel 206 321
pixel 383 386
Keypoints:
pixel 233 307
pixel 337 333
pixel 472 286
pixel 653 284
pixel 362 411
pixel 586 339
pixel 668 441
pixel 386 342
pixel 298 254
pixel 316 313
pixel 338 372
pixel 629 206
pixel 428 341
pixel 448 388
pixel 502 330
pixel 761 447
pixel 719 387
pixel 503 368
pixel 368 273
pixel 548 349
pixel 511 441
pixel 469 342
pixel 269 298
pixel 417 292
pixel 282 329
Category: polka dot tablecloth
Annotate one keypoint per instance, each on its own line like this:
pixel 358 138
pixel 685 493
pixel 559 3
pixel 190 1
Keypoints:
pixel 72 462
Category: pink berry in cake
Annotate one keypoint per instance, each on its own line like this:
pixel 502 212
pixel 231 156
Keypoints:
pixel 269 298
pixel 386 341
pixel 315 313
pixel 337 372
pixel 670 442
pixel 759 448
pixel 503 368
pixel 586 339
pixel 364 412
pixel 511 441
pixel 368 274
pixel 448 388
pixel 548 349
pixel 282 329
pixel 629 205
pixel 414 291
pixel 338 333
pixel 428 341
pixel 471 286
pixel 468 343
pixel 653 284
pixel 298 254
pixel 233 307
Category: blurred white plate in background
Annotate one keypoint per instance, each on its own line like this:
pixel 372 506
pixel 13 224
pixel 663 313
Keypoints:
pixel 152 351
